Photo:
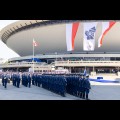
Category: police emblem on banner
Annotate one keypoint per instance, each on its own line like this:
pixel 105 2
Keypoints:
pixel 90 33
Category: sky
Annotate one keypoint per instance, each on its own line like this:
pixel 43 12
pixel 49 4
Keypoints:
pixel 6 52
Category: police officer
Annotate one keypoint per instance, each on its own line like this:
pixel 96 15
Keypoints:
pixel 29 80
pixel 33 79
pixel 15 80
pixel 36 79
pixel 87 87
pixel 5 81
pixel 82 87
pixel 18 80
pixel 26 80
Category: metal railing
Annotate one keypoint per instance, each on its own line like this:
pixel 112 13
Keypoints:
pixel 25 64
pixel 87 63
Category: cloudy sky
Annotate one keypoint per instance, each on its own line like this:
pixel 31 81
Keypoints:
pixel 6 52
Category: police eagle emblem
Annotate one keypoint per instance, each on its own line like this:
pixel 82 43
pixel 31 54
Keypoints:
pixel 90 33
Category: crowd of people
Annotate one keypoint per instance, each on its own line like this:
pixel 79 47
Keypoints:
pixel 77 84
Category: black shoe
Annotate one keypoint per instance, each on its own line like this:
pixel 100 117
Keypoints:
pixel 87 99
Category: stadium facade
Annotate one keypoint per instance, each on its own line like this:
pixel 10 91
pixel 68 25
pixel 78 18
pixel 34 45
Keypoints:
pixel 52 49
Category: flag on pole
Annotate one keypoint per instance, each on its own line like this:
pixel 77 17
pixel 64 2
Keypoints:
pixel 35 43
pixel 89 36
pixel 106 26
pixel 71 30
pixel 85 72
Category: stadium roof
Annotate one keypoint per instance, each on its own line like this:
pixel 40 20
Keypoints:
pixel 51 36
pixel 15 27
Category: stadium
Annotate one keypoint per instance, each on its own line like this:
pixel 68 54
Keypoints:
pixel 53 70
pixel 51 52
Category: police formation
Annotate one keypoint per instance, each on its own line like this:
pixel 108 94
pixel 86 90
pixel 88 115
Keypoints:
pixel 16 78
pixel 26 80
pixel 54 83
pixel 77 85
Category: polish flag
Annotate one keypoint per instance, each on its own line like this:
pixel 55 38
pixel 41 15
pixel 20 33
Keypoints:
pixel 71 30
pixel 106 26
pixel 35 43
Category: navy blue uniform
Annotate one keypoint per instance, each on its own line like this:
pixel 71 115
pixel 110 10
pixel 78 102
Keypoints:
pixel 82 88
pixel 5 81
pixel 33 79
pixel 87 88
pixel 18 80
pixel 29 80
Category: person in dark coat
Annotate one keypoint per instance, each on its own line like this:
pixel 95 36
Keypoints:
pixel 18 80
pixel 87 87
pixel 5 81
pixel 29 80
pixel 82 87
pixel 79 93
pixel 33 79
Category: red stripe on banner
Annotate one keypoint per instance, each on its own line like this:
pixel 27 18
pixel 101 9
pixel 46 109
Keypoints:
pixel 74 31
pixel 110 25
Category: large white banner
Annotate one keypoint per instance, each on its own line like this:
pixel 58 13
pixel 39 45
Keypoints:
pixel 71 30
pixel 89 36
pixel 106 26
pixel 69 36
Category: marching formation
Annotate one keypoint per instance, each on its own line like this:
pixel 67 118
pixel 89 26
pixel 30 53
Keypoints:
pixel 77 85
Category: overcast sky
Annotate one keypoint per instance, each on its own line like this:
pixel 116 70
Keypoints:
pixel 6 52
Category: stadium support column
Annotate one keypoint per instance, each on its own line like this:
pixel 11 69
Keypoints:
pixel 93 73
pixel 70 69
pixel 17 69
pixel 93 69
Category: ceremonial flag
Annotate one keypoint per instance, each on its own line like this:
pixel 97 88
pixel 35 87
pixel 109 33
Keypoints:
pixel 106 26
pixel 89 36
pixel 35 43
pixel 71 30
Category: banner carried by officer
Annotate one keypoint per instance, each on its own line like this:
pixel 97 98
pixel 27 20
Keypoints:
pixel 89 36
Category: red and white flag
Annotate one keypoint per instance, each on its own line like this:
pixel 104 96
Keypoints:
pixel 35 43
pixel 106 26
pixel 71 30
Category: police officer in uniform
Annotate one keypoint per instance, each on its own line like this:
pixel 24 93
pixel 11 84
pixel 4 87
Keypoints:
pixel 82 87
pixel 18 80
pixel 29 80
pixel 79 86
pixel 5 81
pixel 87 87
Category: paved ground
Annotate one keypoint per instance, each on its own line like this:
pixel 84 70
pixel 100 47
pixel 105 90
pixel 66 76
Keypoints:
pixel 33 93
pixel 105 92
pixel 98 92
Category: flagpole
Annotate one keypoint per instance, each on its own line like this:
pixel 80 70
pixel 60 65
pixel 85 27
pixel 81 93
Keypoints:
pixel 33 55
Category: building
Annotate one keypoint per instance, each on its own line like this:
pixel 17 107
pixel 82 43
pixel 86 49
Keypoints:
pixel 50 34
